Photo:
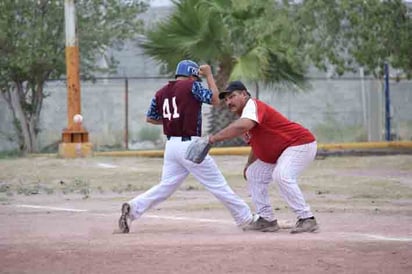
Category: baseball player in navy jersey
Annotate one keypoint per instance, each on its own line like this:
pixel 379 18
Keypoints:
pixel 280 151
pixel 177 107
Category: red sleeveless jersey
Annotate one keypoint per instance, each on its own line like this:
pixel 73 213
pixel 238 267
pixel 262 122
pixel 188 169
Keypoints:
pixel 180 110
pixel 274 132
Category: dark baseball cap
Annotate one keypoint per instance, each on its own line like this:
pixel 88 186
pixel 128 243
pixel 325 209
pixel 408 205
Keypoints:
pixel 231 87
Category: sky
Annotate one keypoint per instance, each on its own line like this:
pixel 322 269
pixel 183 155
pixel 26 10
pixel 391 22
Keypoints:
pixel 159 3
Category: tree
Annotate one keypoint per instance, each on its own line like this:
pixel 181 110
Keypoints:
pixel 249 40
pixel 351 33
pixel 32 50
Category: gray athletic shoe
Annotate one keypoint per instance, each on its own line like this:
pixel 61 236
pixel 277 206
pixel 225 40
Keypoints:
pixel 262 225
pixel 305 225
pixel 124 219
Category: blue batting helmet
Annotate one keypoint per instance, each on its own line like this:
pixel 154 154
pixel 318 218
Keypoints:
pixel 187 68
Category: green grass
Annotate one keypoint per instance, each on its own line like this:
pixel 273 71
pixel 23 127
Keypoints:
pixel 370 183
pixel 10 154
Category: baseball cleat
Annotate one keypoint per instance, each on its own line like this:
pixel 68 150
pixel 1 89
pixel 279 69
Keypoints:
pixel 262 225
pixel 124 218
pixel 305 225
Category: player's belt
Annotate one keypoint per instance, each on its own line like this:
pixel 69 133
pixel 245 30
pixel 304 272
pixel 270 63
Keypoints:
pixel 184 138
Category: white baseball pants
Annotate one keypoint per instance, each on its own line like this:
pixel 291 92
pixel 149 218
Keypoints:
pixel 285 172
pixel 176 169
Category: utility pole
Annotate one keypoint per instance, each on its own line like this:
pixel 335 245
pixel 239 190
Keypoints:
pixel 75 138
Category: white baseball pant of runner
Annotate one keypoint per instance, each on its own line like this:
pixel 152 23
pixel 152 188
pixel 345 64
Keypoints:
pixel 176 169
pixel 285 173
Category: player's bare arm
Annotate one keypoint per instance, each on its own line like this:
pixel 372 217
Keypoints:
pixel 235 129
pixel 154 121
pixel 206 71
pixel 251 158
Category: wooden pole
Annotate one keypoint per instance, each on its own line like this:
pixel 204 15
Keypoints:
pixel 72 64
pixel 75 139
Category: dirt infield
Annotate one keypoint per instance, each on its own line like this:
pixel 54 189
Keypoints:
pixel 58 216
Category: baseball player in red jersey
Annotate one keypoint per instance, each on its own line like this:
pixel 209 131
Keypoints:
pixel 177 107
pixel 280 151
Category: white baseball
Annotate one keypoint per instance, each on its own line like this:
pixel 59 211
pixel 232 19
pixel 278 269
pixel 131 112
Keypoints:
pixel 77 118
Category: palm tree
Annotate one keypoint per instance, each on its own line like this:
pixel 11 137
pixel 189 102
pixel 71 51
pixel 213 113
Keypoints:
pixel 251 41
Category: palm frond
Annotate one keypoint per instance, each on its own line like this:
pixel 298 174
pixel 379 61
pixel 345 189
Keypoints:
pixel 262 64
pixel 192 31
pixel 252 65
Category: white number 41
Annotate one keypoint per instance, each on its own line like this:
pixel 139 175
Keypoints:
pixel 166 109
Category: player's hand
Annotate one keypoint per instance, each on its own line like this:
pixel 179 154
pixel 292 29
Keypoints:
pixel 205 70
pixel 244 172
pixel 211 139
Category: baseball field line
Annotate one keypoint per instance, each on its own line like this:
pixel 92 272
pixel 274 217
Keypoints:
pixel 365 236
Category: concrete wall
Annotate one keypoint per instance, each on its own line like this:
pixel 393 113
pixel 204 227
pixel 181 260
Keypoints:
pixel 333 109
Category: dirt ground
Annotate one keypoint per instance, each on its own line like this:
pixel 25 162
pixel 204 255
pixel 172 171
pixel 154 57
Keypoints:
pixel 58 216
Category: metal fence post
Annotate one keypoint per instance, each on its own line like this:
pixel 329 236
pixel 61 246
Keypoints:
pixel 126 116
pixel 387 103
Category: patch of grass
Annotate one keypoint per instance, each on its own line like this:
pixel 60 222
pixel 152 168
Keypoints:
pixel 120 188
pixel 10 154
pixel 358 186
pixel 48 190
pixel 27 190
pixel 4 200
pixel 4 187
pixel 100 189
pixel 78 185
pixel 365 196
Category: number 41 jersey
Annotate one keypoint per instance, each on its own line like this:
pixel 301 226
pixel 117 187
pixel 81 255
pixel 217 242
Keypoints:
pixel 181 112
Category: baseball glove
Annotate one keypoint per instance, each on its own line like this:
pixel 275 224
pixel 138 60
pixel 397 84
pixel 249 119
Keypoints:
pixel 198 149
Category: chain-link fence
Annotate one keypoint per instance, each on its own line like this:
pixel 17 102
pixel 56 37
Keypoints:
pixel 114 109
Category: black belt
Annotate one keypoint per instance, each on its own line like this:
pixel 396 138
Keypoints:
pixel 184 138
